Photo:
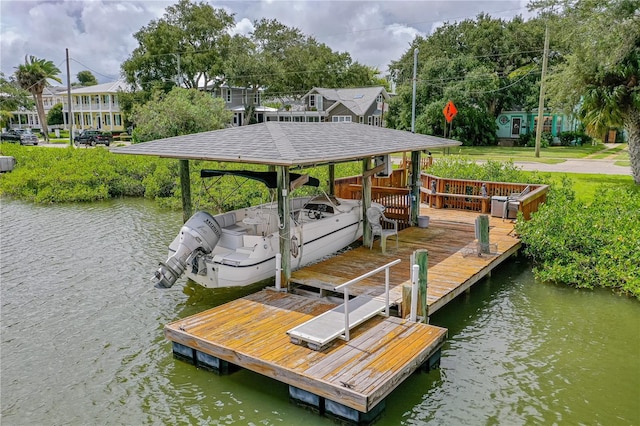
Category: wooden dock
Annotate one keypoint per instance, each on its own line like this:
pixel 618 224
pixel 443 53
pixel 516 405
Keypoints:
pixel 251 332
pixel 347 379
pixel 454 265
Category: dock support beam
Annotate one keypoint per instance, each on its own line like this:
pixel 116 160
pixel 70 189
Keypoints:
pixel 185 186
pixel 366 200
pixel 415 187
pixel 284 213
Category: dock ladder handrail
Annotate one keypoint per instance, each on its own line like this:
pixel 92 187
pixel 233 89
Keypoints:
pixel 346 285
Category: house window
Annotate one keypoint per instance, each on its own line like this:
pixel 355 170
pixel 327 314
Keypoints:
pixel 107 120
pixel 312 101
pixel 546 124
pixel 379 99
pixel 117 119
pixel 256 98
pixel 341 119
pixel 313 119
pixel 558 125
pixel 227 95
pixel 370 120
pixel 361 119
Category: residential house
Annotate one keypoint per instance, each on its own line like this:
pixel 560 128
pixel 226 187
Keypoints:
pixel 364 105
pixel 236 99
pixel 512 124
pixel 96 107
pixel 93 107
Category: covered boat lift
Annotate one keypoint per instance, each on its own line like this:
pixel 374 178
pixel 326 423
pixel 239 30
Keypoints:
pixel 287 145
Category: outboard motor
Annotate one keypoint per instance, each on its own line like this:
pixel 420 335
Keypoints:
pixel 200 233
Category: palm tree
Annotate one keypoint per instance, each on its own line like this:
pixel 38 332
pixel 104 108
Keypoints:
pixel 33 76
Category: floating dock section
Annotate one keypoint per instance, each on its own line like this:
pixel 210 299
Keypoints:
pixel 346 379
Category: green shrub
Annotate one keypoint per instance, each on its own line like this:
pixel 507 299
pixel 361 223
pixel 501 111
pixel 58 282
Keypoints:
pixel 574 138
pixel 586 245
pixel 458 167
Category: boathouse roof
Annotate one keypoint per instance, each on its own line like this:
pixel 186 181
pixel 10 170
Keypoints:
pixel 289 144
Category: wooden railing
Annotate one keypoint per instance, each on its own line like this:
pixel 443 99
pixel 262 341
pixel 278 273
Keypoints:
pixel 475 195
pixel 462 194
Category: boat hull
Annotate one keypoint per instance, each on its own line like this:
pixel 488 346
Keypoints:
pixel 249 256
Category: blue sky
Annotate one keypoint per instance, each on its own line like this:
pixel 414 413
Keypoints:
pixel 99 34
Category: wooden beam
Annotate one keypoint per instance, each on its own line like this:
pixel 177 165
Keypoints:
pixel 332 179
pixel 185 185
pixel 366 200
pixel 415 187
pixel 298 182
pixel 284 214
pixel 377 169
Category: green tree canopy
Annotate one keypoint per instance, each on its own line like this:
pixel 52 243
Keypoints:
pixel 34 76
pixel 86 78
pixel 483 65
pixel 179 112
pixel 55 115
pixel 187 46
pixel 600 76
pixel 12 97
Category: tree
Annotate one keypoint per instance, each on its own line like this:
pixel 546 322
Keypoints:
pixel 600 76
pixel 86 78
pixel 12 98
pixel 55 115
pixel 179 112
pixel 33 76
pixel 187 47
pixel 483 65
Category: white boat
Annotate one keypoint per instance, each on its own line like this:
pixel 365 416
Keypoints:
pixel 239 247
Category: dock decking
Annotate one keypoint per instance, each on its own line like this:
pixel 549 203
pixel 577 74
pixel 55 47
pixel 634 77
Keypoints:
pixel 251 332
pixel 454 265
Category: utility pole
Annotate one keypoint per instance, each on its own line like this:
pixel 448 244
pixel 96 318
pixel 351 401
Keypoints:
pixel 413 102
pixel 541 99
pixel 70 112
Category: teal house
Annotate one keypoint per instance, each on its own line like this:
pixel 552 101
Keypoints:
pixel 512 124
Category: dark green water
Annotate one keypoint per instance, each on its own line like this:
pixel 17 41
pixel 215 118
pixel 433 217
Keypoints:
pixel 82 344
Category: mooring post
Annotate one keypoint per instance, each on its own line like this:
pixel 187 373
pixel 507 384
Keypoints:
pixel 185 186
pixel 422 260
pixel 482 233
pixel 415 271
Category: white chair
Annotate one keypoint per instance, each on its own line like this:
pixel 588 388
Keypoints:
pixel 376 222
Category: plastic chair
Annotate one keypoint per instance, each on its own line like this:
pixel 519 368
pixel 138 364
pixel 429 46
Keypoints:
pixel 376 222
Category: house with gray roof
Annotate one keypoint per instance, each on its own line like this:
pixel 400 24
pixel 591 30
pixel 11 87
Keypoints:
pixel 363 105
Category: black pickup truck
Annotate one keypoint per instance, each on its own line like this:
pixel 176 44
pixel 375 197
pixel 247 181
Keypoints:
pixel 93 137
pixel 21 136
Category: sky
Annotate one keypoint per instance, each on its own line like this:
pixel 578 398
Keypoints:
pixel 99 33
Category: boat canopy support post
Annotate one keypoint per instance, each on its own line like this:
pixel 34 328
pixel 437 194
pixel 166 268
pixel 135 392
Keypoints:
pixel 332 179
pixel 366 200
pixel 415 187
pixel 185 185
pixel 284 213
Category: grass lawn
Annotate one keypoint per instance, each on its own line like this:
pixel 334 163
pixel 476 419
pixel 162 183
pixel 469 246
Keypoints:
pixel 550 155
pixel 586 185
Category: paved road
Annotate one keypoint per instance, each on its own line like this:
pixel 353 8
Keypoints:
pixel 604 167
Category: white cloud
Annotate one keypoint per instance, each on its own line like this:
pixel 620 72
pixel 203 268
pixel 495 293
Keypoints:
pixel 99 33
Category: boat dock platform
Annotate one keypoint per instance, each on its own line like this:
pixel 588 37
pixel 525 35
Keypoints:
pixel 347 378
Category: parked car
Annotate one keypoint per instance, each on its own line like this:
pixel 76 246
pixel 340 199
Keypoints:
pixel 21 136
pixel 93 137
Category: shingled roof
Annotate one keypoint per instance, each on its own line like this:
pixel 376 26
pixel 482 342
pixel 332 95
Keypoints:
pixel 289 144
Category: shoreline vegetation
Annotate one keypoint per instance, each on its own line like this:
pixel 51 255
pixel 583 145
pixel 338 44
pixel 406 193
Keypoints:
pixel 584 241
